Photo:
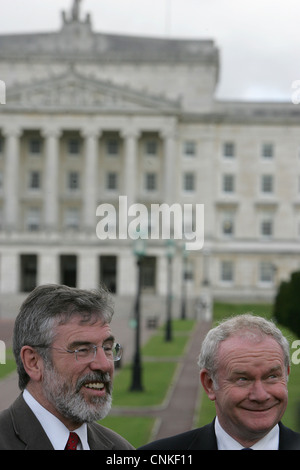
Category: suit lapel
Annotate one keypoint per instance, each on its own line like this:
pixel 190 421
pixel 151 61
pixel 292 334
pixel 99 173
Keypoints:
pixel 205 438
pixel 27 427
pixel 97 440
pixel 288 439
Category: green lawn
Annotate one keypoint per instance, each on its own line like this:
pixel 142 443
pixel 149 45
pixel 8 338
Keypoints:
pixel 156 379
pixel 159 363
pixel 135 429
pixel 10 365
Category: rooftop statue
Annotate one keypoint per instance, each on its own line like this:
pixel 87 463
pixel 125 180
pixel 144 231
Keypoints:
pixel 75 10
pixel 74 15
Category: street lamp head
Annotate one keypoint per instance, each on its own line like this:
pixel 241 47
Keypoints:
pixel 170 248
pixel 139 246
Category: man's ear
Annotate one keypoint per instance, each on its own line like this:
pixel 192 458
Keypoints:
pixel 207 384
pixel 32 362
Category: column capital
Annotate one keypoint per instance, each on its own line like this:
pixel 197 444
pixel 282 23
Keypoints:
pixel 130 132
pixel 51 131
pixel 168 133
pixel 90 132
pixel 12 131
pixel 169 130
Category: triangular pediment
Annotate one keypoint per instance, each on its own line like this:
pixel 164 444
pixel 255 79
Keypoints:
pixel 74 92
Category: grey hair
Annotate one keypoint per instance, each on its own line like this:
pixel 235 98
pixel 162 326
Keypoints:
pixel 249 323
pixel 48 306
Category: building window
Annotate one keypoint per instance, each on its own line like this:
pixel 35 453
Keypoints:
pixel 267 150
pixel 112 147
pixel 35 146
pixel 151 147
pixel 267 184
pixel 33 221
pixel 228 150
pixel 227 273
pixel 73 181
pixel 112 181
pixel 228 225
pixel 189 182
pixel 151 181
pixel 189 148
pixel 266 227
pixel 266 272
pixel 228 183
pixel 34 180
pixel 71 219
pixel 73 146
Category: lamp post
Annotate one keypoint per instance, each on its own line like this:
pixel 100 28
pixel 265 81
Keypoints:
pixel 170 251
pixel 183 282
pixel 136 381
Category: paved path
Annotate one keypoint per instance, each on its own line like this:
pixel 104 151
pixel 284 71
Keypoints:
pixel 178 413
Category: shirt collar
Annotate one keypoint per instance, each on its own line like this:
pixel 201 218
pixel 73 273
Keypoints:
pixel 56 431
pixel 226 442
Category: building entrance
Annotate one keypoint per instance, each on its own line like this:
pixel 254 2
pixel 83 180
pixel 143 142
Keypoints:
pixel 108 272
pixel 68 270
pixel 149 274
pixel 28 272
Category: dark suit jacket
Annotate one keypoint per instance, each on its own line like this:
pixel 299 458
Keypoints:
pixel 21 430
pixel 205 439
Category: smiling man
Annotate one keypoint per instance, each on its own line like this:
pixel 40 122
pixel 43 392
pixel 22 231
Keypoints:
pixel 244 367
pixel 65 353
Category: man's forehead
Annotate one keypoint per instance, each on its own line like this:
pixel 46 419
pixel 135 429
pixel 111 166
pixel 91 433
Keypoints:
pixel 76 325
pixel 245 346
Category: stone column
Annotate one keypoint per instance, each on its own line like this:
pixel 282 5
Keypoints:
pixel 88 269
pixel 130 168
pixel 127 273
pixel 48 272
pixel 10 272
pixel 51 136
pixel 90 179
pixel 170 160
pixel 11 178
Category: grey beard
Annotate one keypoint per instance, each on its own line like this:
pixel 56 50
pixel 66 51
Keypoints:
pixel 68 400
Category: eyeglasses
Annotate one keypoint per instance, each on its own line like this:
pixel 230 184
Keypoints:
pixel 87 353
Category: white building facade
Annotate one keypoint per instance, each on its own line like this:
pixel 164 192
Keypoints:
pixel 89 117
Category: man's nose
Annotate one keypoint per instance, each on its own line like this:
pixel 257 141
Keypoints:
pixel 258 392
pixel 101 361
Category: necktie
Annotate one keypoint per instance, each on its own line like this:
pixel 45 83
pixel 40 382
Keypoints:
pixel 246 448
pixel 72 441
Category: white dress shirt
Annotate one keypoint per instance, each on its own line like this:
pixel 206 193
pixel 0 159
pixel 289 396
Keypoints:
pixel 226 442
pixel 56 431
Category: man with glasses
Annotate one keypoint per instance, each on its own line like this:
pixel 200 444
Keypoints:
pixel 65 353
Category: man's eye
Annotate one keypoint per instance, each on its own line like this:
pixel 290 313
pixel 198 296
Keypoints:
pixel 83 350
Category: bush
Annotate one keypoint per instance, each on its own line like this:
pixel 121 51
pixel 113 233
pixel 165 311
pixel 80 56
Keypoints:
pixel 287 306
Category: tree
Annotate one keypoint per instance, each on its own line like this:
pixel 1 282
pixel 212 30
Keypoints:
pixel 286 309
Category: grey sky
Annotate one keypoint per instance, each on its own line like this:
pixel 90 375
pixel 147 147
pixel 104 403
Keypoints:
pixel 259 40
